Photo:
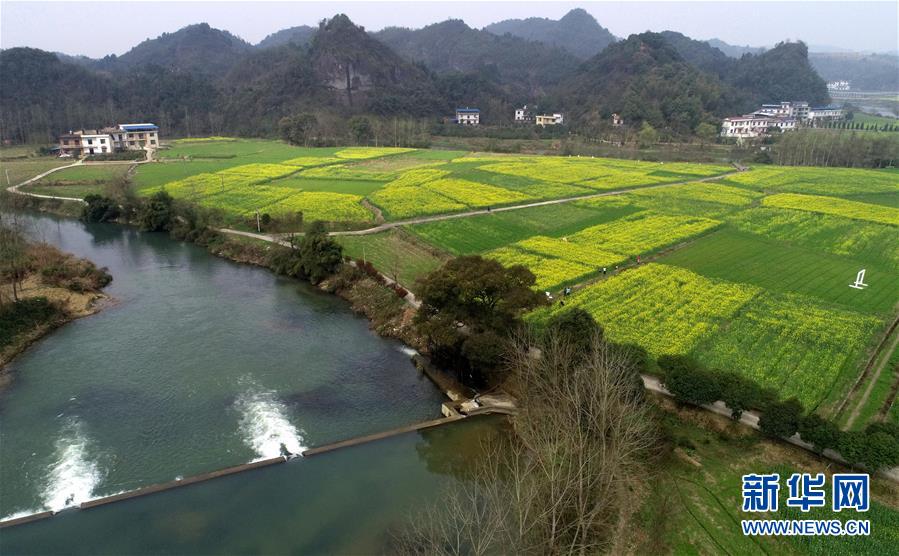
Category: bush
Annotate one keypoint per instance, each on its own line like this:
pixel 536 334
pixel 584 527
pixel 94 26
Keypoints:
pixel 157 214
pixel 781 419
pixel 741 393
pixel 24 315
pixel 98 208
pixel 575 326
pixel 688 381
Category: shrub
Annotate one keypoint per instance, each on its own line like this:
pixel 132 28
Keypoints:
pixel 98 208
pixel 781 419
pixel 156 214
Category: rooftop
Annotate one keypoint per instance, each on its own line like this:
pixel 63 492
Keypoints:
pixel 139 127
pixel 468 110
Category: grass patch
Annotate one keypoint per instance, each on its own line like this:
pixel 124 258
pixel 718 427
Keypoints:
pixel 394 253
pixel 774 266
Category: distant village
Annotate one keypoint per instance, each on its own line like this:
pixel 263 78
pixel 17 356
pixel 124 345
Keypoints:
pixel 784 116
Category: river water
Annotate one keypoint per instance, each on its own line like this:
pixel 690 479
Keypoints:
pixel 199 364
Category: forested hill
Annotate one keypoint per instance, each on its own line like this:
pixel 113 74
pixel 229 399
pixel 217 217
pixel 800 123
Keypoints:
pixel 524 69
pixel 781 73
pixel 577 32
pixel 644 78
pixel 204 80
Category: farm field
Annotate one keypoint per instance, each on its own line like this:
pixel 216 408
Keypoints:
pixel 79 181
pixel 394 253
pixel 736 279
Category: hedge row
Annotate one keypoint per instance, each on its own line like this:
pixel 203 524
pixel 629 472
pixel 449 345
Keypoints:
pixel 877 447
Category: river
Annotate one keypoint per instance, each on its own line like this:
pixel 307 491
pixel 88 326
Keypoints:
pixel 199 364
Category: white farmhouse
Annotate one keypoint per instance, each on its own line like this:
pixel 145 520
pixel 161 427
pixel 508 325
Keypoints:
pixel 468 116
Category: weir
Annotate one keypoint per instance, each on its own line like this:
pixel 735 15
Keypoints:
pixel 160 487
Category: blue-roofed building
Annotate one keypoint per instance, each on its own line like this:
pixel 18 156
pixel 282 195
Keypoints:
pixel 132 137
pixel 468 116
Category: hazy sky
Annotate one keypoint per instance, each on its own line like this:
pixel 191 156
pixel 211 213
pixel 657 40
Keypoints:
pixel 99 28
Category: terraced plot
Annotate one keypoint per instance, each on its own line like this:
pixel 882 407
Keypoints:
pixel 794 345
pixel 820 181
pixel 643 232
pixel 774 266
pixel 482 233
pixel 835 207
pixel 864 241
pixel 665 309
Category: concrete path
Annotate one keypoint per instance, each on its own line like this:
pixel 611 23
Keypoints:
pixel 751 419
pixel 81 162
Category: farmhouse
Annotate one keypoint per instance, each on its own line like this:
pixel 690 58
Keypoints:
pixel 468 116
pixel 544 120
pixel 123 137
pixel 617 120
pixel 524 114
pixel 838 86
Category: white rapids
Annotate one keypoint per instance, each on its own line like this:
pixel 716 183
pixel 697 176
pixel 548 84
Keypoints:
pixel 264 424
pixel 407 350
pixel 72 476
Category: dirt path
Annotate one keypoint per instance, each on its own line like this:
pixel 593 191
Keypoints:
pixel 866 372
pixel 478 212
pixel 15 188
pixel 885 359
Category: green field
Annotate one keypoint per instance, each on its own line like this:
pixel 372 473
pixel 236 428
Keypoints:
pixel 754 277
pixel 395 254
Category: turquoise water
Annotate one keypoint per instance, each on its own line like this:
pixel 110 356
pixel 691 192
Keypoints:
pixel 198 364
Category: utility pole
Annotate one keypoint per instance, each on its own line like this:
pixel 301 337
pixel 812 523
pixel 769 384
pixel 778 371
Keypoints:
pixel 223 182
pixel 258 227
pixel 7 176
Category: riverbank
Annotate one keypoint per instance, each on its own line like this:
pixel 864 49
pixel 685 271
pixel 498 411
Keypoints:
pixel 56 288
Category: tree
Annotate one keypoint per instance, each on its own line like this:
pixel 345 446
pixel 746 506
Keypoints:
pixel 319 255
pixel 565 484
pixel 468 296
pixel 299 129
pixel 576 326
pixel 157 213
pixel 648 136
pixel 361 129
pixel 706 132
pixel 688 381
pixel 98 208
pixel 13 256
pixel 781 419
pixel 821 433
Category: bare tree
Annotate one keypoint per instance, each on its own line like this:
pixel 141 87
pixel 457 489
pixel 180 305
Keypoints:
pixel 567 483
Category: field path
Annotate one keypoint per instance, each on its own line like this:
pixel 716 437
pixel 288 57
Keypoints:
pixel 15 188
pixel 885 356
pixel 438 217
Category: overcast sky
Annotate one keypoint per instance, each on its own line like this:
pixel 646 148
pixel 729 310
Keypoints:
pixel 99 28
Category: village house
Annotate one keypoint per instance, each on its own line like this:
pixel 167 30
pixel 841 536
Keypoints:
pixel 524 115
pixel 617 120
pixel 544 120
pixel 755 125
pixel 123 137
pixel 838 86
pixel 820 114
pixel 468 116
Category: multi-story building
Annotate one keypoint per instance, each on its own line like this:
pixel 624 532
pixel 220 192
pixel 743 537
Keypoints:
pixel 94 142
pixel 544 120
pixel 137 136
pixel 468 116
pixel 524 115
pixel 755 125
pixel 109 139
pixel 820 114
